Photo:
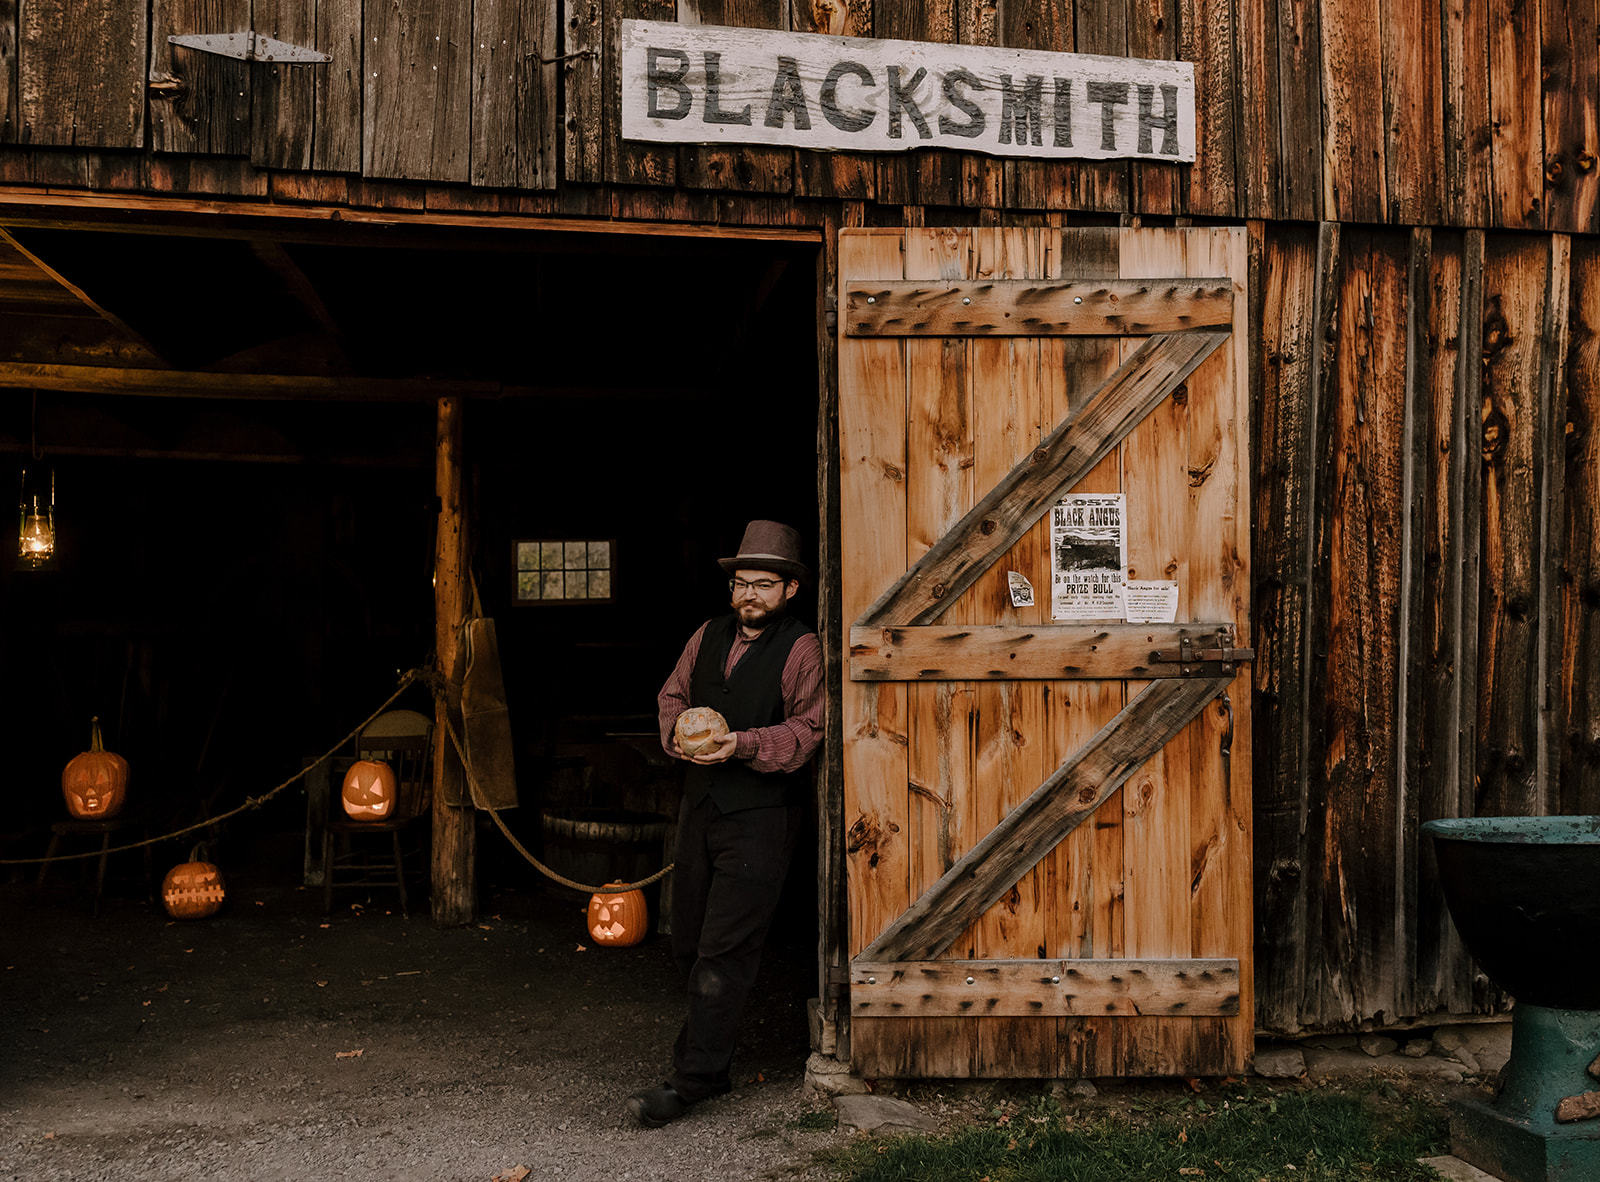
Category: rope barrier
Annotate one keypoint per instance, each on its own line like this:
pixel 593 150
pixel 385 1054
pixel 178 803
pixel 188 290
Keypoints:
pixel 250 802
pixel 436 684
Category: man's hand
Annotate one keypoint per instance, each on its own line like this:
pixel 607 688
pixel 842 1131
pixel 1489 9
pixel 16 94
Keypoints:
pixel 719 754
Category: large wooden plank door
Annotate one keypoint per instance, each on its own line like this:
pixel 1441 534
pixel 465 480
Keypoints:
pixel 1048 824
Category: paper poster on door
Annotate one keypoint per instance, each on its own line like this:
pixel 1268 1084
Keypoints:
pixel 1088 557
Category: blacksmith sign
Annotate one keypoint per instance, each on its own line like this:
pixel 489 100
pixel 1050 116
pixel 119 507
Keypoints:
pixel 713 85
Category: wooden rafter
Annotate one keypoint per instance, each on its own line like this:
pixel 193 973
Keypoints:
pixel 1035 827
pixel 36 282
pixel 996 522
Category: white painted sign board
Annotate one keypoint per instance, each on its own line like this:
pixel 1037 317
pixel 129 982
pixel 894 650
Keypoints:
pixel 702 84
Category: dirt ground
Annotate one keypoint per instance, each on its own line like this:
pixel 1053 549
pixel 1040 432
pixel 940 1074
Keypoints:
pixel 271 1043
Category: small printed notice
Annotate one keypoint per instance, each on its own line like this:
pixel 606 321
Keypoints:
pixel 1088 557
pixel 1021 589
pixel 1150 602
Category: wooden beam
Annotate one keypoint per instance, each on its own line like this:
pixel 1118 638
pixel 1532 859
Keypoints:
pixel 173 383
pixel 1000 519
pixel 416 460
pixel 1035 827
pixel 454 834
pixel 1005 652
pixel 1035 308
pixel 1044 988
pixel 78 210
pixel 18 288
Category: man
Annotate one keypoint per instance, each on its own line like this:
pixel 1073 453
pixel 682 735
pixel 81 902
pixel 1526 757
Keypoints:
pixel 762 670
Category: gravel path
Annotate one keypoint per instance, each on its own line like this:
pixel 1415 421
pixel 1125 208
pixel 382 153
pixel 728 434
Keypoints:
pixel 268 1044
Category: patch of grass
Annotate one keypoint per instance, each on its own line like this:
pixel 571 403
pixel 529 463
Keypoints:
pixel 813 1121
pixel 1243 1136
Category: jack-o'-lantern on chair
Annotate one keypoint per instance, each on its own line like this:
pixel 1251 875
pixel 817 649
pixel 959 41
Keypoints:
pixel 618 917
pixel 95 782
pixel 369 790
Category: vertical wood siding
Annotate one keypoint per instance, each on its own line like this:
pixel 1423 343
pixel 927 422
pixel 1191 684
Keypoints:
pixel 1426 590
pixel 1398 112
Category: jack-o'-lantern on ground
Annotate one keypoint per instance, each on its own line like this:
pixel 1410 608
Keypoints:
pixel 95 782
pixel 193 889
pixel 618 917
pixel 369 790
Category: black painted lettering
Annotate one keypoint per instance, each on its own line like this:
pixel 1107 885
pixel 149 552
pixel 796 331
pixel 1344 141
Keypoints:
pixel 714 112
pixel 660 77
pixel 788 96
pixel 1167 121
pixel 1063 113
pixel 1109 95
pixel 832 111
pixel 1022 111
pixel 900 99
pixel 973 128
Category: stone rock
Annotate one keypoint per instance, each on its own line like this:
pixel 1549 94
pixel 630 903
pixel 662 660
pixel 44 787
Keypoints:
pixel 831 1077
pixel 1488 1043
pixel 1323 1065
pixel 1377 1044
pixel 1417 1048
pixel 1075 1087
pixel 1585 1106
pixel 1466 1058
pixel 1457 1170
pixel 1280 1062
pixel 883 1114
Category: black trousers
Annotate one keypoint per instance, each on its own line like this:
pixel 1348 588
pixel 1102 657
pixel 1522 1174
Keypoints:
pixel 730 872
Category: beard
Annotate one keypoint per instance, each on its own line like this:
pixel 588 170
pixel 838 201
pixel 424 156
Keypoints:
pixel 754 616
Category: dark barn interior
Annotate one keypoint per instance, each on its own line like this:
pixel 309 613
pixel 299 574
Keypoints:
pixel 239 579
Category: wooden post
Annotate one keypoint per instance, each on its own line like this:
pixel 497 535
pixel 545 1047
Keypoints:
pixel 454 860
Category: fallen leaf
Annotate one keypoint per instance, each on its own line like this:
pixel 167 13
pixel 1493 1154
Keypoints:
pixel 512 1174
pixel 355 1054
pixel 409 973
pixel 322 984
pixel 49 1136
pixel 1191 1171
pixel 583 948
pixel 486 927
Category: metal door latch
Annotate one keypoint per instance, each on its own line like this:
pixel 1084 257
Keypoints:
pixel 249 47
pixel 1217 660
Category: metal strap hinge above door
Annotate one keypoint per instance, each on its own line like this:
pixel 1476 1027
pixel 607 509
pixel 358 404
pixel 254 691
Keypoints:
pixel 1218 660
pixel 249 47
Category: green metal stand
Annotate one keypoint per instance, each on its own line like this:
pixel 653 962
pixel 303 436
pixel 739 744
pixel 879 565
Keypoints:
pixel 1517 1137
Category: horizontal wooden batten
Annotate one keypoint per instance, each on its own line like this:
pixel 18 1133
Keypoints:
pixel 936 652
pixel 1045 988
pixel 1020 307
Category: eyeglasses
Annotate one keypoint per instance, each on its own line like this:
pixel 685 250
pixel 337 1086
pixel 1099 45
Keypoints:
pixel 762 585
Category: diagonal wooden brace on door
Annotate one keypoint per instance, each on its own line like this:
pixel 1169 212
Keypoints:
pixel 960 557
pixel 1070 796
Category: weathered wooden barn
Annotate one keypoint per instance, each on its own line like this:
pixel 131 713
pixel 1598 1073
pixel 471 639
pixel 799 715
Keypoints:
pixel 1338 360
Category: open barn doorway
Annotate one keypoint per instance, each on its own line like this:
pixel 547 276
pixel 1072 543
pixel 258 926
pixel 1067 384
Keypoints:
pixel 244 566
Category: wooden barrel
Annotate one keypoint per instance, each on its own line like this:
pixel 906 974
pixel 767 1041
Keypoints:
pixel 597 846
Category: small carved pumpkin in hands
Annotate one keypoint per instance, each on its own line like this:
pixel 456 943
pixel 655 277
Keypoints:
pixel 699 729
pixel 96 782
pixel 618 917
pixel 369 790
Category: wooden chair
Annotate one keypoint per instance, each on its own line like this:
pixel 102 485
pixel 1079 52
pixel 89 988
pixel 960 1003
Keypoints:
pixel 104 829
pixel 372 853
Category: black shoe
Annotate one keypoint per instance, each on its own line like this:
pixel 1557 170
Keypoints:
pixel 655 1107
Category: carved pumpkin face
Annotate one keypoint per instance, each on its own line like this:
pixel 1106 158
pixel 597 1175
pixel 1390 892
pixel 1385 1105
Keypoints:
pixel 369 790
pixel 619 918
pixel 193 890
pixel 698 730
pixel 95 783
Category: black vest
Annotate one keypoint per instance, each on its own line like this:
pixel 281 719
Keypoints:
pixel 751 697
